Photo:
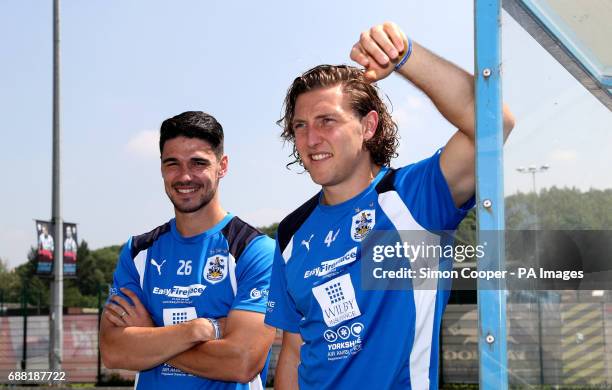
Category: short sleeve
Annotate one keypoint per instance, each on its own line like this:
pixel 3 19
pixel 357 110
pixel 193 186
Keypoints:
pixel 424 189
pixel 126 275
pixel 253 270
pixel 282 312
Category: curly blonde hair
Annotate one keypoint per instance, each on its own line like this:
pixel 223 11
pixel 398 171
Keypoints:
pixel 363 98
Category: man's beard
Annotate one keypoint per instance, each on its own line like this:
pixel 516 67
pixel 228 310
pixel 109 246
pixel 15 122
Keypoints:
pixel 202 202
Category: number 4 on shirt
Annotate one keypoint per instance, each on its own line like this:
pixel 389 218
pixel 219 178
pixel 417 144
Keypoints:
pixel 331 237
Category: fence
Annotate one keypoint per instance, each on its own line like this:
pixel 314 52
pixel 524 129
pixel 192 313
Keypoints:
pixel 563 343
pixel 24 341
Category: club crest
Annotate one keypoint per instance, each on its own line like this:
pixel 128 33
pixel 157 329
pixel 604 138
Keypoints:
pixel 215 269
pixel 362 223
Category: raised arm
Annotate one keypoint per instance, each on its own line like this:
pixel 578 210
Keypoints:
pixel 286 377
pixel 450 88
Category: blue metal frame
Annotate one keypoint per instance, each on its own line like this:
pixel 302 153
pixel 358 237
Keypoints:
pixel 490 194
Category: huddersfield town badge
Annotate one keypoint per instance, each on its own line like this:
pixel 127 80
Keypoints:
pixel 215 269
pixel 362 223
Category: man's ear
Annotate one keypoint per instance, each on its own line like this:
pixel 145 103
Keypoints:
pixel 369 123
pixel 223 166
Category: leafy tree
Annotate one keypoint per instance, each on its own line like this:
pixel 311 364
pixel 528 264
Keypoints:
pixel 88 277
pixel 270 230
pixel 466 231
pixel 560 208
pixel 94 271
pixel 37 289
pixel 8 280
pixel 106 260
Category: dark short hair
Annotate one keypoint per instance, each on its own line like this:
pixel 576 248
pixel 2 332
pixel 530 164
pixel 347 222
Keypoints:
pixel 193 124
pixel 363 97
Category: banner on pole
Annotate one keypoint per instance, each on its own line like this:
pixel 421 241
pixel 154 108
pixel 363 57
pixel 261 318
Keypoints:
pixel 70 249
pixel 46 246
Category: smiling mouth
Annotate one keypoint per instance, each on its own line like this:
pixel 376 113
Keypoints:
pixel 320 156
pixel 186 190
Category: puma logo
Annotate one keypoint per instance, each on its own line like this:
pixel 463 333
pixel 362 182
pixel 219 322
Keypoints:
pixel 158 266
pixel 307 243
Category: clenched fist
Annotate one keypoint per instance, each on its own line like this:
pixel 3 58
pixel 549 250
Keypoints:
pixel 379 49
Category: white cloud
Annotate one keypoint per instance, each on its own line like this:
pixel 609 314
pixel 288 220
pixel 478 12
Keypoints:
pixel 409 111
pixel 416 102
pixel 422 128
pixel 563 155
pixel 144 144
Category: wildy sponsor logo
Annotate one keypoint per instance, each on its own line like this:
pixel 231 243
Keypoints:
pixel 194 290
pixel 337 300
pixel 330 266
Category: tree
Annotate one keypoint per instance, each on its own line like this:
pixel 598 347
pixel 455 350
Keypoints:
pixel 270 230
pixel 560 208
pixel 8 281
pixel 94 272
pixel 37 289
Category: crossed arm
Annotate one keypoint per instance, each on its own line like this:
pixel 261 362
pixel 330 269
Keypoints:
pixel 131 341
pixel 242 351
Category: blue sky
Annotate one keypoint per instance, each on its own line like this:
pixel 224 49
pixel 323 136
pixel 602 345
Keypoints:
pixel 126 66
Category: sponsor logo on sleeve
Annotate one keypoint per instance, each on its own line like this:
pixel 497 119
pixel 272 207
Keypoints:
pixel 337 300
pixel 258 293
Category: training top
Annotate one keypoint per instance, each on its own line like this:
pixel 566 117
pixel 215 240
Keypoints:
pixel 179 279
pixel 357 338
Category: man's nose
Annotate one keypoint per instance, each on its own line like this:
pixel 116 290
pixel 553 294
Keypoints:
pixel 184 173
pixel 313 136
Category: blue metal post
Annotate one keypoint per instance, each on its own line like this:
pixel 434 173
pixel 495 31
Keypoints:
pixel 490 193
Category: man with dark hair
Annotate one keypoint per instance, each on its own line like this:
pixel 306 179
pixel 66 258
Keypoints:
pixel 189 296
pixel 336 333
pixel 193 124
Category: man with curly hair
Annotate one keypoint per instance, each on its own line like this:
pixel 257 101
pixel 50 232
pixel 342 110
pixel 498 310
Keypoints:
pixel 336 333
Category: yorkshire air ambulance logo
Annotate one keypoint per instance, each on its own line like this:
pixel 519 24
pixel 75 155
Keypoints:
pixel 216 269
pixel 363 222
